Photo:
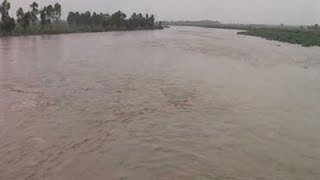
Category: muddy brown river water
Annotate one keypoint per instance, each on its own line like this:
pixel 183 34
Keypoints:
pixel 177 104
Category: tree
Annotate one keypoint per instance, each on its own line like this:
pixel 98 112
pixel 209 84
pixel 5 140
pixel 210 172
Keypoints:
pixel 34 12
pixel 24 18
pixel 47 14
pixel 20 15
pixel 150 20
pixel 96 19
pixel 27 18
pixel 132 21
pixel 4 9
pixel 106 19
pixel 7 23
pixel 86 18
pixel 50 13
pixel 118 19
pixel 57 12
pixel 43 19
pixel 140 20
pixel 134 17
pixel 71 18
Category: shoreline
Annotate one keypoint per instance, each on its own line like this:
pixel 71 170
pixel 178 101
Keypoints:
pixel 300 37
pixel 76 32
pixel 306 37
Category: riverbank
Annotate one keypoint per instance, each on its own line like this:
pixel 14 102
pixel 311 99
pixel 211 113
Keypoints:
pixel 304 35
pixel 305 38
pixel 65 28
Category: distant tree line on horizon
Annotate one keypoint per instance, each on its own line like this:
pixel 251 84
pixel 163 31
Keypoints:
pixel 118 19
pixel 51 14
pixel 217 24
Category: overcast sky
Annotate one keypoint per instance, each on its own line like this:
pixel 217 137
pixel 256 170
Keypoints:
pixel 230 11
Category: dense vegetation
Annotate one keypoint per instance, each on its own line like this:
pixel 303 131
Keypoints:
pixel 117 20
pixel 47 20
pixel 304 37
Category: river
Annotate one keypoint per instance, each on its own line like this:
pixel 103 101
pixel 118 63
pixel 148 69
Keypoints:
pixel 182 103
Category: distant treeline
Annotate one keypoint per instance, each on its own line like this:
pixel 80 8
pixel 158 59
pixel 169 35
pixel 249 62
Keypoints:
pixel 47 20
pixel 118 20
pixel 192 23
pixel 217 24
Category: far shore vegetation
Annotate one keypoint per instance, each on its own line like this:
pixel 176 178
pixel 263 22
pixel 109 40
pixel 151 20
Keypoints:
pixel 304 35
pixel 47 20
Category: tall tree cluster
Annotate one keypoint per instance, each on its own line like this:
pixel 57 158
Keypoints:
pixel 34 15
pixel 117 19
pixel 7 23
pixel 52 14
pixel 46 15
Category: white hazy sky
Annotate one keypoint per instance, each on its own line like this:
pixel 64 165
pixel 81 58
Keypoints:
pixel 229 11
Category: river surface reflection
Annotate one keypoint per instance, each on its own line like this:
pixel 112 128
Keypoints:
pixel 181 103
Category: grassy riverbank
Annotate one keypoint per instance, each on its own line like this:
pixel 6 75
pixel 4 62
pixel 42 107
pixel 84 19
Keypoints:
pixel 305 38
pixel 65 28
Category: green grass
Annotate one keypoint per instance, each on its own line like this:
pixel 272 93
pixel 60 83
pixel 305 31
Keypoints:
pixel 63 28
pixel 305 38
